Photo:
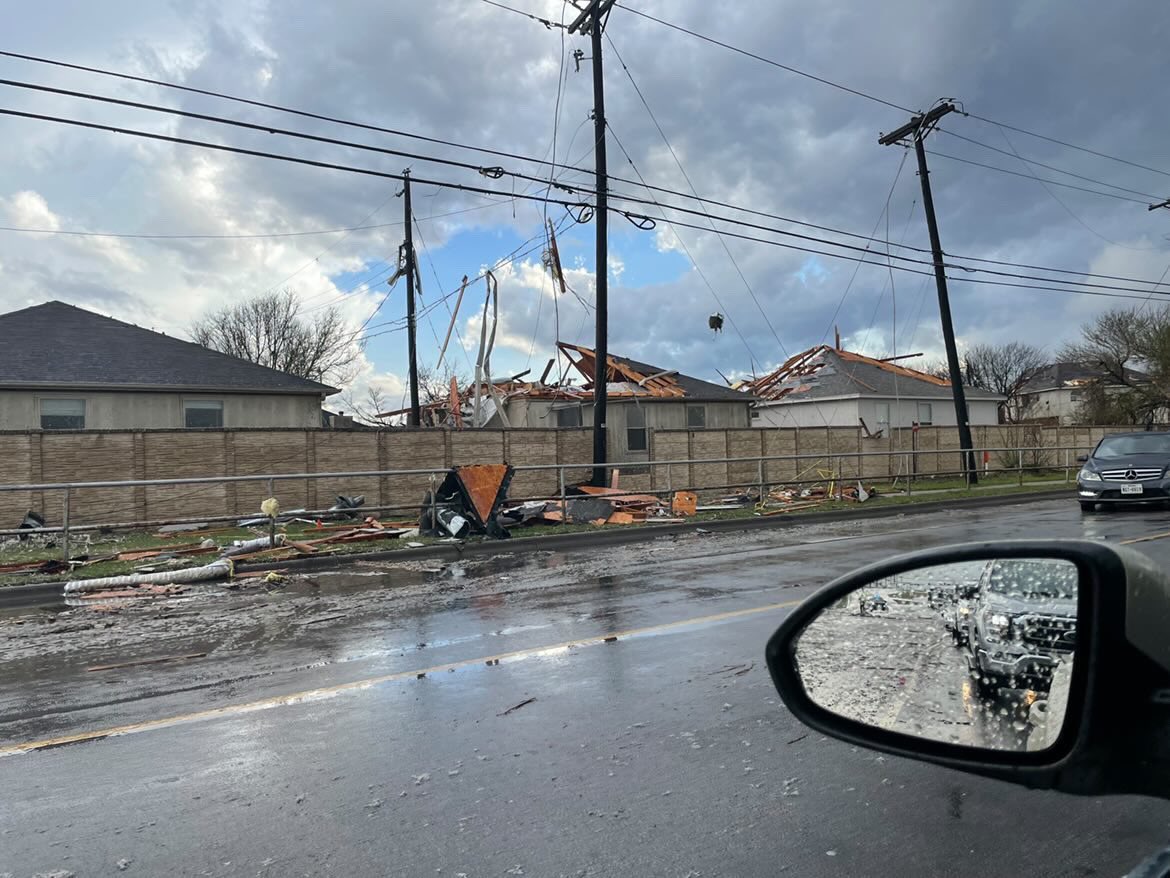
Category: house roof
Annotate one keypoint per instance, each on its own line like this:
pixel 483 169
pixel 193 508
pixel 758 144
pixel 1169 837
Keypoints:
pixel 56 345
pixel 1056 376
pixel 627 379
pixel 630 378
pixel 824 372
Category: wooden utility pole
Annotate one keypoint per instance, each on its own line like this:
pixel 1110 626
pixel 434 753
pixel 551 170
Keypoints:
pixel 415 417
pixel 917 129
pixel 590 21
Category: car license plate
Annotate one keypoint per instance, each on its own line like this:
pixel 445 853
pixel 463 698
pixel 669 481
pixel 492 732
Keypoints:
pixel 1131 489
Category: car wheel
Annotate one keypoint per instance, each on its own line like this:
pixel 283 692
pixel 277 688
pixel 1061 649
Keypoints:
pixel 1088 507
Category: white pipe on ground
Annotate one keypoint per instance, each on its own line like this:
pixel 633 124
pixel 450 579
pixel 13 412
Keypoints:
pixel 221 569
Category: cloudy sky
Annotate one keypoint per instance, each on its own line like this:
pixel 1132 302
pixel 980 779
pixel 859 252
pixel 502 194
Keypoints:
pixel 737 129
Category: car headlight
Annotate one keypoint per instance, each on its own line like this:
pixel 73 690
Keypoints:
pixel 1087 475
pixel 999 626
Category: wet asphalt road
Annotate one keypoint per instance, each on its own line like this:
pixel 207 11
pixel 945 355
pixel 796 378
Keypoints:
pixel 664 752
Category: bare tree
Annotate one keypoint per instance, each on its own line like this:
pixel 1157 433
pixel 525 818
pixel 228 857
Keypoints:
pixel 272 330
pixel 365 408
pixel 1003 369
pixel 434 385
pixel 1130 347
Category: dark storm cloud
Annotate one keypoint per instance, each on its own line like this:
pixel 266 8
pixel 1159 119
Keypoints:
pixel 746 132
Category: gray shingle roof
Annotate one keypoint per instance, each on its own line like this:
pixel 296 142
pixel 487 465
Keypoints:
pixel 1057 375
pixel 694 388
pixel 60 345
pixel 825 372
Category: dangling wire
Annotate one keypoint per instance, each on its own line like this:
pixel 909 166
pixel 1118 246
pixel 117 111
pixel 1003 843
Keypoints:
pixel 584 213
pixel 644 223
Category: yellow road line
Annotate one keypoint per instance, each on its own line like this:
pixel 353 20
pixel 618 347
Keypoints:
pixel 369 682
pixel 1146 539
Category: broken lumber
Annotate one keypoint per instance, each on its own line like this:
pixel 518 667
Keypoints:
pixel 684 503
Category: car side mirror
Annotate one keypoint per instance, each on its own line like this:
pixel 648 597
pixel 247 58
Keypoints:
pixel 1059 676
pixel 1082 458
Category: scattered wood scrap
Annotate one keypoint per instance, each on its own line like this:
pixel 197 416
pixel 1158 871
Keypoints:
pixel 516 707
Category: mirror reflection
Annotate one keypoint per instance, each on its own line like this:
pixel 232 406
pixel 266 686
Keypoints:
pixel 974 653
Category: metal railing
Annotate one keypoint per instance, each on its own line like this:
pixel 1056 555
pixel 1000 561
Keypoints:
pixel 907 472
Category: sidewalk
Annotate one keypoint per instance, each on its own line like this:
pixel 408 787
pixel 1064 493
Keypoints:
pixel 570 537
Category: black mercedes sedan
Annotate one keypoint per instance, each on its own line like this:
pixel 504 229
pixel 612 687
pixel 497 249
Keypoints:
pixel 1125 468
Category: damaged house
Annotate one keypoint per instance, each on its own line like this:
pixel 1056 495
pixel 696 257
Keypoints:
pixel 640 398
pixel 1054 394
pixel 829 386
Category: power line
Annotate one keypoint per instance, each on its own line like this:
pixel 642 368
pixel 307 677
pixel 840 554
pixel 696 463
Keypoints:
pixel 491 173
pixel 1039 164
pixel 546 22
pixel 857 265
pixel 634 217
pixel 115 129
pixel 751 356
pixel 1065 143
pixel 460 187
pixel 687 177
pixel 553 164
pixel 1067 209
pixel 857 92
pixel 1123 291
pixel 1151 295
pixel 512 257
pixel 267 106
pixel 439 285
pixel 391 176
pixel 773 63
pixel 242 235
pixel 955 158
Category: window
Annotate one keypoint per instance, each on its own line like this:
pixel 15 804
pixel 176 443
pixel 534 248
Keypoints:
pixel 882 414
pixel 635 428
pixel 203 414
pixel 697 417
pixel 925 416
pixel 569 417
pixel 62 414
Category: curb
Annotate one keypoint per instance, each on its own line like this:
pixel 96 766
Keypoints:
pixel 43 593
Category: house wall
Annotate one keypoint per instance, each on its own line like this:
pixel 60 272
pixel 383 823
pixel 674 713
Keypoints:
pixel 20 409
pixel 658 415
pixel 828 413
pixel 845 413
pixel 1059 402
pixel 906 412
pixel 54 457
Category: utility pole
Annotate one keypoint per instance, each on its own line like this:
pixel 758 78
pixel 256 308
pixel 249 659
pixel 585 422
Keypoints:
pixel 1160 204
pixel 415 417
pixel 590 21
pixel 917 128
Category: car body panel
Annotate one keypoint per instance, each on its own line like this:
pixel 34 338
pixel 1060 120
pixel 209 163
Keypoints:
pixel 1042 632
pixel 1140 477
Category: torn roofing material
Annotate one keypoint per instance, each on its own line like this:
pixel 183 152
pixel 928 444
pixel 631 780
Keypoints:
pixel 823 372
pixel 625 379
pixel 1056 376
pixel 628 378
